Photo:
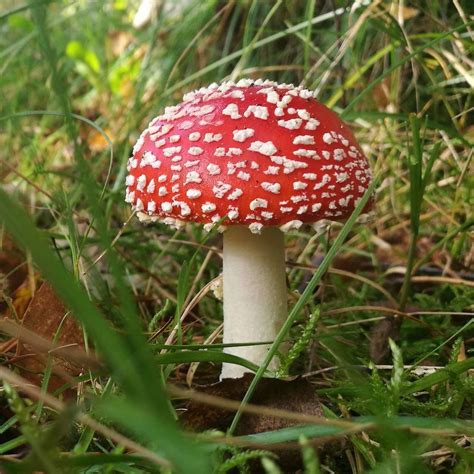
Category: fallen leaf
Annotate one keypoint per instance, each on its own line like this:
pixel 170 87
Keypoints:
pixel 47 317
pixel 13 270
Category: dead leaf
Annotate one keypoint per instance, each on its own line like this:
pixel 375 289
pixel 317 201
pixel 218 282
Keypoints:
pixel 13 270
pixel 47 317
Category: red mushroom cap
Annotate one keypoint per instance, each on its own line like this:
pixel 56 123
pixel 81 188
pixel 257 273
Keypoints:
pixel 255 152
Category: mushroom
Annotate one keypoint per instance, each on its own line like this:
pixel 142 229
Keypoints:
pixel 261 158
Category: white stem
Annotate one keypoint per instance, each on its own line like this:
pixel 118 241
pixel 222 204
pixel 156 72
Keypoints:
pixel 255 296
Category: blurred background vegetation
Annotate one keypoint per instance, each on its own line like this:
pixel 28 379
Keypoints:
pixel 386 339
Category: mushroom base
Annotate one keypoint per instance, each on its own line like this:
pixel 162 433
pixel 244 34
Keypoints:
pixel 255 295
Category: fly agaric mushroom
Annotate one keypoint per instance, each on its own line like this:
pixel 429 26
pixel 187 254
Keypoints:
pixel 262 158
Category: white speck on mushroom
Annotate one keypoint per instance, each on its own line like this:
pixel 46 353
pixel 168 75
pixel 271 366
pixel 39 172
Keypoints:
pixel 286 209
pixel 267 215
pixel 141 182
pixel 185 209
pixel 255 227
pixel 242 135
pixel 152 129
pixel 258 111
pixel 208 207
pixel 289 165
pixel 299 198
pixel 326 179
pixel 303 114
pixel 166 206
pixel 159 143
pixel 139 205
pixel 258 202
pixel 213 169
pixel 311 124
pixel 162 178
pixel 294 224
pixel 194 136
pixel 220 189
pixel 219 151
pixel 302 210
pixel 212 137
pixel 316 207
pixel 133 163
pixel 175 138
pixel 243 176
pixel 176 167
pixel 327 138
pixel 304 152
pixel 305 94
pixel 310 176
pixel 272 97
pixel 344 201
pixel 237 94
pixel 233 213
pixel 274 170
pixel 151 186
pixel 297 185
pixel 193 177
pixel 233 151
pixel 232 110
pixel 129 180
pixel 162 191
pixel 291 124
pixel 138 146
pixel 190 164
pixel 341 177
pixel 265 148
pixel 147 159
pixel 246 83
pixel 339 154
pixel 279 112
pixel 193 193
pixel 164 130
pixel 271 187
pixel 172 150
pixel 130 197
pixel 186 125
pixel 195 150
pixel 286 99
pixel 303 140
pixel 235 194
pixel 151 206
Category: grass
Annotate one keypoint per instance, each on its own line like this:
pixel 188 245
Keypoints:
pixel 78 84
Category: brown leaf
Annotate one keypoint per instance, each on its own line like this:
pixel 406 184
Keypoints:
pixel 47 317
pixel 13 270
